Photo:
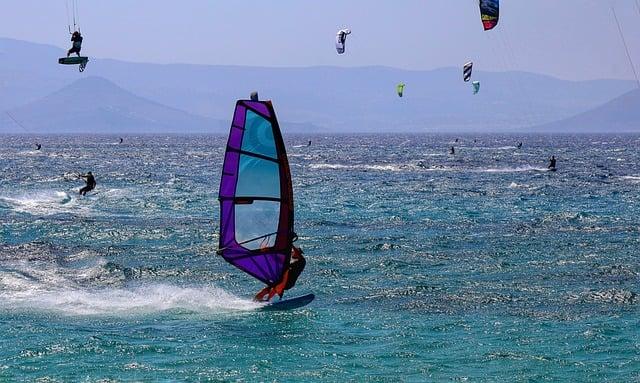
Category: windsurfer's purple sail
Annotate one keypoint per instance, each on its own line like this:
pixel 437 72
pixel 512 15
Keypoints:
pixel 256 197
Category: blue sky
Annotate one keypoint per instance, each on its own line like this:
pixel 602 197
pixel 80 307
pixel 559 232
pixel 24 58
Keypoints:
pixel 570 39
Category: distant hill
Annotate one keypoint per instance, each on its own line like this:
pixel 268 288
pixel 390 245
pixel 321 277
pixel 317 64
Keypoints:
pixel 29 71
pixel 620 115
pixel 96 105
pixel 333 98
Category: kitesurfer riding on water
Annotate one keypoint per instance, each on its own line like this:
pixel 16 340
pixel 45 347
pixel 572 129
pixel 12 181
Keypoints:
pixel 90 180
pixel 76 38
pixel 289 277
pixel 552 163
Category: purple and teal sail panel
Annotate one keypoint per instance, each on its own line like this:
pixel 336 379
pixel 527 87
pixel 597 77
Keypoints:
pixel 256 197
pixel 490 13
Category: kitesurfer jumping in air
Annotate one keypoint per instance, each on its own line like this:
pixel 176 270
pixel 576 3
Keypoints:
pixel 76 38
pixel 90 180
pixel 552 163
pixel 289 277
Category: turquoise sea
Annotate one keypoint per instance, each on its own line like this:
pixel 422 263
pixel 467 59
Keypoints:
pixel 479 267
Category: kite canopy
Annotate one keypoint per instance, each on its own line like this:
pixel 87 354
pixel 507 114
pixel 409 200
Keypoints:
pixel 400 89
pixel 341 40
pixel 256 197
pixel 476 87
pixel 490 13
pixel 466 71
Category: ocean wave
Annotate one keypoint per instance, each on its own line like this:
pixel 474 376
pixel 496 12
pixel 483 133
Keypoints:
pixel 116 193
pixel 489 147
pixel 402 167
pixel 30 153
pixel 363 167
pixel 421 166
pixel 518 169
pixel 611 296
pixel 199 154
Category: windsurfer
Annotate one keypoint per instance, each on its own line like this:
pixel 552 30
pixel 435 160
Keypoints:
pixel 289 277
pixel 90 180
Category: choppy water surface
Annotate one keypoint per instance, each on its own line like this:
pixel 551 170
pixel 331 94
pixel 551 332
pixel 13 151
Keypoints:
pixel 427 267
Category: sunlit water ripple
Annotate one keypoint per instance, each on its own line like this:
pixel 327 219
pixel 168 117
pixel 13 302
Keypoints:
pixel 427 267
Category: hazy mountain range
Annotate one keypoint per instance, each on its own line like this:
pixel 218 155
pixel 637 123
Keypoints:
pixel 99 105
pixel 621 114
pixel 118 97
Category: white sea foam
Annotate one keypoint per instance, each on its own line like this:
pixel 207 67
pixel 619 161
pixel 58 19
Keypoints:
pixel 631 178
pixel 86 284
pixel 385 167
pixel 46 202
pixel 490 147
pixel 63 177
pixel 419 166
pixel 115 193
pixel 139 300
pixel 30 153
pixel 515 169
pixel 201 154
